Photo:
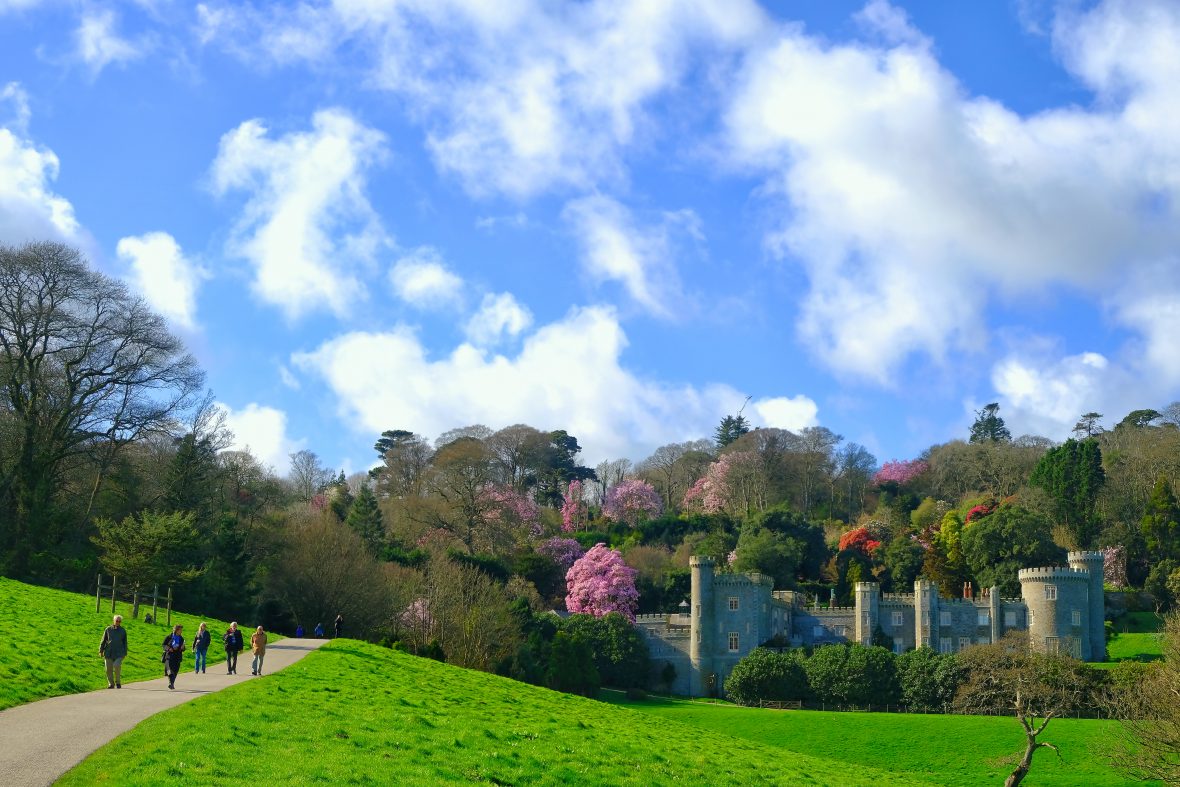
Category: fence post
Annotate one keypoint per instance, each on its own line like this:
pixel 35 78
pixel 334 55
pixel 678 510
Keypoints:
pixel 98 595
pixel 135 603
pixel 114 581
pixel 155 604
pixel 169 606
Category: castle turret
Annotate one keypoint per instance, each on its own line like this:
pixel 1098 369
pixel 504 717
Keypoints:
pixel 702 627
pixel 996 608
pixel 1093 562
pixel 1058 603
pixel 867 611
pixel 925 614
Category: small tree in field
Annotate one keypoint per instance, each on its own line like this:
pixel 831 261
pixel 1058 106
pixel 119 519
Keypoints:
pixel 1007 676
pixel 632 501
pixel 151 548
pixel 600 582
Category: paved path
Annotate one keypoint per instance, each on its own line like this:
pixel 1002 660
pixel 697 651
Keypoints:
pixel 42 740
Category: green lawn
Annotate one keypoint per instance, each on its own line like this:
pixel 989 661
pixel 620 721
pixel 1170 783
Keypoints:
pixel 1137 638
pixel 360 714
pixel 49 643
pixel 950 750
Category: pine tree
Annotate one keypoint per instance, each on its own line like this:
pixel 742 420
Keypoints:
pixel 989 426
pixel 1072 475
pixel 1161 522
pixel 365 518
pixel 731 428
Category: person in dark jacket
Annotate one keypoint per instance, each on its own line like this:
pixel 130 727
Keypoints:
pixel 319 631
pixel 173 652
pixel 339 625
pixel 113 649
pixel 299 631
pixel 201 648
pixel 233 646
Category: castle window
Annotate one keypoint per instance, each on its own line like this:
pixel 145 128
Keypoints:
pixel 925 642
pixel 1077 617
pixel 985 617
pixel 842 631
pixel 1010 618
pixel 733 642
pixel 964 642
pixel 1050 592
pixel 945 645
pixel 1051 644
pixel 817 632
pixel 898 619
pixel 898 645
pixel 698 611
pixel 733 603
pixel 945 619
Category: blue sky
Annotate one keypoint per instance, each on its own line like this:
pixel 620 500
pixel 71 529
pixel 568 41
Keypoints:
pixel 619 218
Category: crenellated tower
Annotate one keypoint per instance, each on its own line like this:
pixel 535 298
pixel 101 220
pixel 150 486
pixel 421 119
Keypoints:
pixel 1058 603
pixel 702 625
pixel 868 599
pixel 1093 563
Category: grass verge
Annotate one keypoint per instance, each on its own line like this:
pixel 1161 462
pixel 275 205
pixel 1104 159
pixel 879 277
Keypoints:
pixel 950 750
pixel 359 714
pixel 49 643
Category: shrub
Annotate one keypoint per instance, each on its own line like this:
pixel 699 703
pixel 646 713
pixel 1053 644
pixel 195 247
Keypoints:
pixel 767 675
pixel 619 650
pixel 852 675
pixel 927 680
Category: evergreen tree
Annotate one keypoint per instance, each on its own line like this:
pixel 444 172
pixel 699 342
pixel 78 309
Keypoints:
pixel 731 428
pixel 1072 475
pixel 1088 426
pixel 989 426
pixel 364 517
pixel 1161 522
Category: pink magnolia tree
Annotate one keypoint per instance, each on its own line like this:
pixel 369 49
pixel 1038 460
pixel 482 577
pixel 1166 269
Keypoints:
pixel 631 501
pixel 729 484
pixel 1114 566
pixel 599 583
pixel 574 512
pixel 505 506
pixel 900 472
pixel 564 551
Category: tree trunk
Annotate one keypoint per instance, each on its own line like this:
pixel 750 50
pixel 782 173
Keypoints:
pixel 1017 776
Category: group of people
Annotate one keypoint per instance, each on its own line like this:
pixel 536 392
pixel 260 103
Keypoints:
pixel 113 649
pixel 319 628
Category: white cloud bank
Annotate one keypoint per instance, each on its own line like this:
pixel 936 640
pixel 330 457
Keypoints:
pixel 165 278
pixel 29 209
pixel 262 431
pixel 566 375
pixel 421 279
pixel 307 226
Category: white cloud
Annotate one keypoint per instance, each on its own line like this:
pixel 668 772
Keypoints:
pixel 616 248
pixel 520 96
pixel 161 273
pixel 567 375
pixel 15 95
pixel 288 379
pixel 98 44
pixel 29 209
pixel 307 225
pixel 499 316
pixel 910 204
pixel 422 280
pixel 781 412
pixel 262 431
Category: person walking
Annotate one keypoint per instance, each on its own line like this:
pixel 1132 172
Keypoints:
pixel 113 649
pixel 201 648
pixel 339 625
pixel 173 652
pixel 233 646
pixel 299 632
pixel 319 631
pixel 258 645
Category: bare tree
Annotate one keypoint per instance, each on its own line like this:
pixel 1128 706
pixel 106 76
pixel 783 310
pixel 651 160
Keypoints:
pixel 1008 676
pixel 307 475
pixel 609 473
pixel 83 364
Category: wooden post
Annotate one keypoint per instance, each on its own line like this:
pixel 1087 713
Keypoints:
pixel 98 595
pixel 155 604
pixel 114 581
pixel 169 606
pixel 135 603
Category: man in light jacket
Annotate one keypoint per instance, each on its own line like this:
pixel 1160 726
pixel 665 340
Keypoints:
pixel 258 645
pixel 113 649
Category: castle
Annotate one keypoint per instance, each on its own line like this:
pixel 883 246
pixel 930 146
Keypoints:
pixel 729 615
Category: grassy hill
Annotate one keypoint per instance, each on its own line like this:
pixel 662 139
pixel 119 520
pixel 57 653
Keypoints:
pixel 49 643
pixel 360 714
pixel 1137 638
pixel 950 750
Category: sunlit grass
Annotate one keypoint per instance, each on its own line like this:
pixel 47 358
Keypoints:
pixel 359 714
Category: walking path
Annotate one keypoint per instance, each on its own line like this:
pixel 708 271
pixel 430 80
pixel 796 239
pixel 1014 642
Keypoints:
pixel 42 740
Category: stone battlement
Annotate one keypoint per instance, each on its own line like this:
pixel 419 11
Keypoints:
pixel 1086 557
pixel 741 580
pixel 905 598
pixel 1056 573
pixel 701 560
pixel 820 611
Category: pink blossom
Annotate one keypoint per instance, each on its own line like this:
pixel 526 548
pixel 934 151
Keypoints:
pixel 573 509
pixel 417 615
pixel 717 488
pixel 1114 566
pixel 505 504
pixel 900 472
pixel 564 551
pixel 599 583
pixel 632 500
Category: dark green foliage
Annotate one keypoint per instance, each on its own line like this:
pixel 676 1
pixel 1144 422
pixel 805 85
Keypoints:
pixel 852 675
pixel 1157 583
pixel 547 576
pixel 989 426
pixel 1161 522
pixel 1072 475
pixel 1139 419
pixel 903 562
pixel 364 517
pixel 413 558
pixel 620 651
pixel 793 526
pixel 557 466
pixel 769 553
pixel 149 549
pixel 491 565
pixel 571 665
pixel 767 675
pixel 1010 538
pixel 731 428
pixel 928 680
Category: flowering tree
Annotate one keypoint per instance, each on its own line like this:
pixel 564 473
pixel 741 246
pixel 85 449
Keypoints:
pixel 506 506
pixel 599 583
pixel 631 501
pixel 980 511
pixel 1114 566
pixel 573 508
pixel 861 540
pixel 730 484
pixel 900 472
pixel 564 551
